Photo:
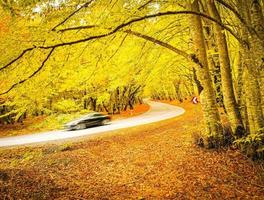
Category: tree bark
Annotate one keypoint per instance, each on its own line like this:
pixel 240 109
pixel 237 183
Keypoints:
pixel 258 44
pixel 252 88
pixel 213 57
pixel 214 128
pixel 231 106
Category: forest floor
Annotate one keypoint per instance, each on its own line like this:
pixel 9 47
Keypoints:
pixel 55 122
pixel 154 161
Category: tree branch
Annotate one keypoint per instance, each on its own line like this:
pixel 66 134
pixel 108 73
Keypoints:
pixel 166 14
pixel 190 57
pixel 127 24
pixel 232 9
pixel 33 74
pixel 18 57
pixel 242 20
pixel 144 5
pixel 159 42
pixel 76 28
pixel 73 13
pixel 121 43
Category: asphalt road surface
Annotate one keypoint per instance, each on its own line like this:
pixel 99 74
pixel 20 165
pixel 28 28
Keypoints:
pixel 157 112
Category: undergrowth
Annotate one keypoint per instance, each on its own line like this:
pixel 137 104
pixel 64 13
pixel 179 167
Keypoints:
pixel 251 145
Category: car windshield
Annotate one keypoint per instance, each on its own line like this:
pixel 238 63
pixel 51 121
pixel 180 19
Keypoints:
pixel 87 116
pixel 91 115
pixel 97 114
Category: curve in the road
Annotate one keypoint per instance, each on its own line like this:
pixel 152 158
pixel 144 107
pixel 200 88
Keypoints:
pixel 157 112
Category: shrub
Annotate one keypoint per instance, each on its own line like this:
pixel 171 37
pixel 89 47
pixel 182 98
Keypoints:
pixel 252 145
pixel 211 141
pixel 198 139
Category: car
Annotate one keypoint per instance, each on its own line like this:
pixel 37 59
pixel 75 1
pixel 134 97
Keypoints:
pixel 89 120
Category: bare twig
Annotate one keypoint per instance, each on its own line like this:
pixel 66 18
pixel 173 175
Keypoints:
pixel 73 13
pixel 76 28
pixel 145 4
pixel 121 43
pixel 233 10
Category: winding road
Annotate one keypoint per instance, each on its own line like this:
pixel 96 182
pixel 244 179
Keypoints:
pixel 157 112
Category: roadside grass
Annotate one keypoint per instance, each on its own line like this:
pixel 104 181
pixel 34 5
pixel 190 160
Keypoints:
pixel 56 121
pixel 38 124
pixel 153 161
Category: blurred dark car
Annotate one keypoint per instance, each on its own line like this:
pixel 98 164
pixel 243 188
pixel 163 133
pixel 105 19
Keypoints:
pixel 92 119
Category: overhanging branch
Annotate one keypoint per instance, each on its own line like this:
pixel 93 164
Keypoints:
pixel 159 42
pixel 119 27
pixel 145 4
pixel 18 57
pixel 242 20
pixel 33 74
pixel 191 57
pixel 76 28
pixel 167 13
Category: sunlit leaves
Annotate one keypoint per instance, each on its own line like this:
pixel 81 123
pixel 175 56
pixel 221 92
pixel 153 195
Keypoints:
pixel 94 69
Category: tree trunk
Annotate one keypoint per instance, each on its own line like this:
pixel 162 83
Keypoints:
pixel 239 68
pixel 252 89
pixel 257 39
pixel 231 106
pixel 93 103
pixel 213 57
pixel 197 82
pixel 214 128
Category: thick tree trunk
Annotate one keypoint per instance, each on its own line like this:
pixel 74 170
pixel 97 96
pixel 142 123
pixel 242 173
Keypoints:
pixel 250 60
pixel 214 128
pixel 230 103
pixel 213 57
pixel 255 115
pixel 258 44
